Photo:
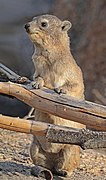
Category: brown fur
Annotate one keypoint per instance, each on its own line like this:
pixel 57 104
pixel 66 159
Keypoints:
pixel 56 69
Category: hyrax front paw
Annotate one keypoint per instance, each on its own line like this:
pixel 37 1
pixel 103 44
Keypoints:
pixel 60 90
pixel 38 83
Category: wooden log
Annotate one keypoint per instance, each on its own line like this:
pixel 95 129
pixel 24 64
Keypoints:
pixel 57 134
pixel 85 112
pixel 22 125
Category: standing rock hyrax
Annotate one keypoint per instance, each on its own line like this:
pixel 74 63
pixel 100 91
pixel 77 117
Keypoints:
pixel 55 68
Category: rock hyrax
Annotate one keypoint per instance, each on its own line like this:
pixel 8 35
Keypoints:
pixel 55 68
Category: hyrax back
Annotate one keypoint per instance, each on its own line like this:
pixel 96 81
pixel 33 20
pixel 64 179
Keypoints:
pixel 55 68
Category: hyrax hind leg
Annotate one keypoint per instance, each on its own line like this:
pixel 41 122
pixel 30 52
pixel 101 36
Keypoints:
pixel 68 159
pixel 62 163
pixel 39 156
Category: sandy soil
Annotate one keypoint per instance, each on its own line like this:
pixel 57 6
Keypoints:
pixel 15 162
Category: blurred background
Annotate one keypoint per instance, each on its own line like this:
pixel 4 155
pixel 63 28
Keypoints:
pixel 88 43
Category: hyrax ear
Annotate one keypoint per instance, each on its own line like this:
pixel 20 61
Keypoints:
pixel 66 25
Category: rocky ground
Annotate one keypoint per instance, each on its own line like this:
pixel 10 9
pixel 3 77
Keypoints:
pixel 15 162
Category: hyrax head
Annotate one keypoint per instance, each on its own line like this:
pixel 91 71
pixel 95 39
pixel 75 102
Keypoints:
pixel 47 30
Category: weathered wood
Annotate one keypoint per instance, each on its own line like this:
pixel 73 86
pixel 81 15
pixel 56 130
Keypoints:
pixel 87 139
pixel 57 134
pixel 12 76
pixel 39 171
pixel 88 113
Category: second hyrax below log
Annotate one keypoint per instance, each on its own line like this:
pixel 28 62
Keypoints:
pixel 55 68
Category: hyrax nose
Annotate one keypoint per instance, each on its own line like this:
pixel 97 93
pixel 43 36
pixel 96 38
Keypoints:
pixel 27 27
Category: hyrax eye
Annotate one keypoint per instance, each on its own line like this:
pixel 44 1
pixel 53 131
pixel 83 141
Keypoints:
pixel 44 24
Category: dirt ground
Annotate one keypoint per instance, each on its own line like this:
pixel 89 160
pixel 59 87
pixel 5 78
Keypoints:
pixel 15 162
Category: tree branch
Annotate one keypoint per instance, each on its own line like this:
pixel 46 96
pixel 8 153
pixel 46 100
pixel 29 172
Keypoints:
pixel 85 112
pixel 86 139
